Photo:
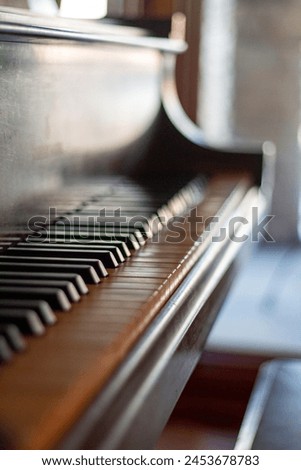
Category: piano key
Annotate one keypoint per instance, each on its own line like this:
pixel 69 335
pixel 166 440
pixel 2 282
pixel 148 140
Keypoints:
pixel 164 214
pixel 76 246
pixel 13 337
pixel 168 252
pixel 148 269
pixel 97 243
pixel 82 272
pixel 41 307
pixel 123 283
pixel 94 263
pixel 76 279
pixel 9 239
pixel 113 218
pixel 126 230
pixel 129 239
pixel 136 272
pixel 137 228
pixel 125 211
pixel 114 232
pixel 66 286
pixel 56 298
pixel 108 260
pixel 5 351
pixel 27 320
pixel 125 291
pixel 145 262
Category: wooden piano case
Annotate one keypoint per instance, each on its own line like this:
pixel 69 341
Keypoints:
pixel 82 104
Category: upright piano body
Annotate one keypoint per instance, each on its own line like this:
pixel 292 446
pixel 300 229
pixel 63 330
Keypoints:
pixel 82 104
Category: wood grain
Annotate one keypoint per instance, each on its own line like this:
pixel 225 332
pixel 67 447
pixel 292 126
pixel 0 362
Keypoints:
pixel 44 391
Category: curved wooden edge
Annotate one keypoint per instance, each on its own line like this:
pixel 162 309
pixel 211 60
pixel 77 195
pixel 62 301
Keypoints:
pixel 174 134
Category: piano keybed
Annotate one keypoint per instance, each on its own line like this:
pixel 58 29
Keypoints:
pixel 34 277
pixel 73 305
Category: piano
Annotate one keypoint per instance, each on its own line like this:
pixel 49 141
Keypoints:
pixel 116 242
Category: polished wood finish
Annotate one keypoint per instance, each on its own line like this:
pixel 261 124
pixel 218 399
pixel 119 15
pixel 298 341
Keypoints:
pixel 79 355
pixel 128 348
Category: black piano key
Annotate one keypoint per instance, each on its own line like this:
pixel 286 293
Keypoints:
pixel 141 207
pixel 56 298
pixel 86 273
pixel 119 244
pixel 66 286
pixel 105 244
pixel 127 213
pixel 142 227
pixel 111 231
pixel 13 337
pixel 27 320
pixel 10 239
pixel 106 257
pixel 104 218
pixel 129 239
pixel 96 232
pixel 76 279
pixel 94 263
pixel 76 246
pixel 5 351
pixel 41 307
